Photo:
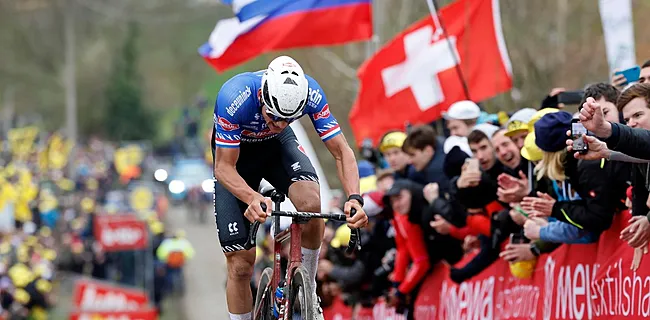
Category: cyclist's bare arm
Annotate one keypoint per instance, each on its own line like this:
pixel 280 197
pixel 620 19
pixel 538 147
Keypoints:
pixel 346 164
pixel 226 173
pixel 346 167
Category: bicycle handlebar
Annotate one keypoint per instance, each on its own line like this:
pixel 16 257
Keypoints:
pixel 355 236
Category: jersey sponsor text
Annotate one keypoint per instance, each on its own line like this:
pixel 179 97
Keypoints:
pixel 239 100
pixel 258 135
pixel 315 97
pixel 226 125
pixel 323 114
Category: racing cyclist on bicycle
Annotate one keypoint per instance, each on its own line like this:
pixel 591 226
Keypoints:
pixel 252 140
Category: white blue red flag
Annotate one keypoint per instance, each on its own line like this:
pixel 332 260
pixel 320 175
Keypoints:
pixel 261 26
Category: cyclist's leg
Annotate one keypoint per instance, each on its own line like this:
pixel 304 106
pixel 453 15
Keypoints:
pixel 298 178
pixel 233 228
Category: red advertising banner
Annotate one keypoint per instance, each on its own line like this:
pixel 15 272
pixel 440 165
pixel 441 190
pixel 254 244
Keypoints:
pixel 148 314
pixel 120 232
pixel 582 281
pixel 339 311
pixel 92 295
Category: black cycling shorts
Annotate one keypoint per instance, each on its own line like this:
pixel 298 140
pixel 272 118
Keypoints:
pixel 281 161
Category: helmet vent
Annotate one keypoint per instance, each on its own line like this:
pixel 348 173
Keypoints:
pixel 265 94
pixel 289 81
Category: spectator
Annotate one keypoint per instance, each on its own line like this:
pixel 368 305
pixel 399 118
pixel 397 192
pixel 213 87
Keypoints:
pixel 590 207
pixel 427 156
pixel 517 126
pixel 367 177
pixel 619 81
pixel 483 151
pixel 385 179
pixel 174 252
pixel 390 147
pixel 634 139
pixel 507 152
pixel 512 186
pixel 644 77
pixel 551 101
pixel 606 96
pixel 461 117
pixel 407 202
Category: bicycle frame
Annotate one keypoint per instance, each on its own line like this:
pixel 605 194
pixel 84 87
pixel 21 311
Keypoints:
pixel 295 256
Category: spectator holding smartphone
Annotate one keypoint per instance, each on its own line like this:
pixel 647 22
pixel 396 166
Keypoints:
pixel 619 81
pixel 633 139
pixel 578 196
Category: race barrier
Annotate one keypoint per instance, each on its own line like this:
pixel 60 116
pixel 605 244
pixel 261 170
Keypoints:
pixel 100 300
pixel 582 281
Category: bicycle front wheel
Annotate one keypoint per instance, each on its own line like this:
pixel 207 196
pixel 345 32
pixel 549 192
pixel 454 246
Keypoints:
pixel 302 297
pixel 264 297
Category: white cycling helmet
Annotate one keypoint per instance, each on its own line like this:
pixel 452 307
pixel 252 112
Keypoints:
pixel 284 88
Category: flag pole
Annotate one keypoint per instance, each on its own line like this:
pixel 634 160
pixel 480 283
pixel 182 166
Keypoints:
pixel 441 30
pixel 373 43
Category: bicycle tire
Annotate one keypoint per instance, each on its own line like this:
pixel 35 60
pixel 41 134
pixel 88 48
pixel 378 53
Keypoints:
pixel 301 295
pixel 266 301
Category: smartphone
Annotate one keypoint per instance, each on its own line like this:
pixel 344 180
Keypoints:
pixel 570 97
pixel 577 130
pixel 518 238
pixel 472 164
pixel 631 74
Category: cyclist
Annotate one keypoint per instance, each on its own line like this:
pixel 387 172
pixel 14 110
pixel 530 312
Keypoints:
pixel 252 140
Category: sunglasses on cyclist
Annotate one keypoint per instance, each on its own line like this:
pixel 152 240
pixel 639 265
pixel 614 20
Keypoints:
pixel 277 119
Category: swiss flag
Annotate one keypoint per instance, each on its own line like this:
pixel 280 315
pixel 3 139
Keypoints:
pixel 416 76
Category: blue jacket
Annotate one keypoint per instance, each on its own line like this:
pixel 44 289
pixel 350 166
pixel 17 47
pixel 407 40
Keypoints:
pixel 562 232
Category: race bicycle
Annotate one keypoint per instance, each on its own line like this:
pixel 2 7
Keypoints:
pixel 298 298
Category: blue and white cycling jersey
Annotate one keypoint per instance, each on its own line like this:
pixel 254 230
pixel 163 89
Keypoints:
pixel 238 112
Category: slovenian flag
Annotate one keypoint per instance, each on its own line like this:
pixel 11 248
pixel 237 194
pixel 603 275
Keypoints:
pixel 261 26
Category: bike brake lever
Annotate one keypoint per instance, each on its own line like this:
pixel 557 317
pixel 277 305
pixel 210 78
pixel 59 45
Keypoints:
pixel 252 235
pixel 355 237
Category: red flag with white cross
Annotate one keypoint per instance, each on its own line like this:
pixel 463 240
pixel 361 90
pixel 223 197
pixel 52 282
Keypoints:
pixel 417 75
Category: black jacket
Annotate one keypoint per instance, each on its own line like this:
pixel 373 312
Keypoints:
pixel 601 186
pixel 481 195
pixel 632 141
pixel 641 183
pixel 439 247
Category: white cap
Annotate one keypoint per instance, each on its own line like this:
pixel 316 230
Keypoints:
pixel 488 129
pixel 462 110
pixel 524 115
pixel 461 142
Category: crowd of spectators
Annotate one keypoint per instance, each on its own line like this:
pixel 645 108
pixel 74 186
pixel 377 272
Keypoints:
pixel 50 193
pixel 507 187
